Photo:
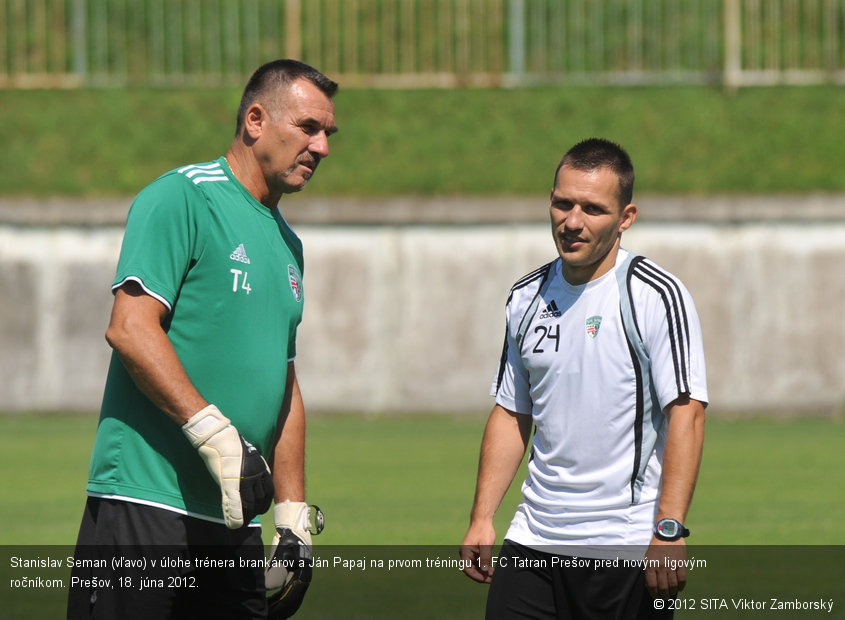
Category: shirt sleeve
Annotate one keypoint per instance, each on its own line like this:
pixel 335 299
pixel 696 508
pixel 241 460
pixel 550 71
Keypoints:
pixel 510 386
pixel 672 337
pixel 161 238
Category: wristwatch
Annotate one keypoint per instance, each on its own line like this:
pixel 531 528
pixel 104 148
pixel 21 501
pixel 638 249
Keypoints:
pixel 670 529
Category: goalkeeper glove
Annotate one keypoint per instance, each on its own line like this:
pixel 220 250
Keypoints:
pixel 290 567
pixel 235 464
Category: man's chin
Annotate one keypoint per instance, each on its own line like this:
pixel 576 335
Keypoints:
pixel 570 257
pixel 293 188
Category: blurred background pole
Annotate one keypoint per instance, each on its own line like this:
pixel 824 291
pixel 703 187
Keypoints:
pixel 80 56
pixel 733 46
pixel 516 41
pixel 293 21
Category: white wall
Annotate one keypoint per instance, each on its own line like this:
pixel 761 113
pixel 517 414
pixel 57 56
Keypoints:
pixel 407 317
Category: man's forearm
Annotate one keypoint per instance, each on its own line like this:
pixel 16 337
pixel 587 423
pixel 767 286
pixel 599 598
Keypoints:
pixel 681 458
pixel 289 452
pixel 502 448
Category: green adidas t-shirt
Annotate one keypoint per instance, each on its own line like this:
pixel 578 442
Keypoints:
pixel 229 271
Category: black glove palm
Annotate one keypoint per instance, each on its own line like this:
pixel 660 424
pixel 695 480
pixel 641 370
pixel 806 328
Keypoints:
pixel 293 556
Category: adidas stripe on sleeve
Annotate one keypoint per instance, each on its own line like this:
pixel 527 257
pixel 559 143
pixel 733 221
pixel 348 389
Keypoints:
pixel 170 211
pixel 511 385
pixel 670 330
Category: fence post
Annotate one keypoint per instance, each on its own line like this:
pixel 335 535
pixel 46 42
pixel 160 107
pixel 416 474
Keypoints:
pixel 733 46
pixel 80 55
pixel 516 40
pixel 293 29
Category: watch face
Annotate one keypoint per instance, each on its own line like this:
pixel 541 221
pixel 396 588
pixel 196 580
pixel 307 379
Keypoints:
pixel 668 528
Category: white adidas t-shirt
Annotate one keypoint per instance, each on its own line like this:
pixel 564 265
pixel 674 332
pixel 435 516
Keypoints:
pixel 595 466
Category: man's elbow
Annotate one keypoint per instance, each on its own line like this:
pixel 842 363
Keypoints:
pixel 122 333
pixel 115 336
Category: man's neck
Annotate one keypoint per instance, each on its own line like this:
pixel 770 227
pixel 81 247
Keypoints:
pixel 246 171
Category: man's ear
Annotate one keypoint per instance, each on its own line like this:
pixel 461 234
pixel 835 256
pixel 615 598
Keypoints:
pixel 254 120
pixel 629 216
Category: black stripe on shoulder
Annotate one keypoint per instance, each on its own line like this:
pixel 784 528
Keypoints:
pixel 631 267
pixel 676 316
pixel 503 361
pixel 673 283
pixel 541 273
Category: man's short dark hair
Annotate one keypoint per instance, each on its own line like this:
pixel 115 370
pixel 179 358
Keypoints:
pixel 595 153
pixel 269 78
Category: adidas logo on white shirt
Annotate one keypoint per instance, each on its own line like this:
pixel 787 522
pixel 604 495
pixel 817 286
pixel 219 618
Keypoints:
pixel 240 255
pixel 550 311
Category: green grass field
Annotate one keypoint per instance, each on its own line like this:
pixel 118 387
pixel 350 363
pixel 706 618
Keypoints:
pixel 410 480
pixel 400 488
pixel 682 139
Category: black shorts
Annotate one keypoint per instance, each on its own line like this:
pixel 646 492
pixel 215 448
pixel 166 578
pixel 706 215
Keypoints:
pixel 531 587
pixel 135 561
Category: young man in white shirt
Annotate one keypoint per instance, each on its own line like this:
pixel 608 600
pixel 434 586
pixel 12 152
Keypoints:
pixel 603 355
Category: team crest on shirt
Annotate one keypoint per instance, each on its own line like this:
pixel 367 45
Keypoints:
pixel 295 282
pixel 593 324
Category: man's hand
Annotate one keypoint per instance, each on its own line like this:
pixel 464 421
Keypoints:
pixel 290 558
pixel 477 552
pixel 666 573
pixel 234 463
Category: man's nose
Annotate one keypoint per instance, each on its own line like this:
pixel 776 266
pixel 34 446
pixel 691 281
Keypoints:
pixel 574 218
pixel 320 144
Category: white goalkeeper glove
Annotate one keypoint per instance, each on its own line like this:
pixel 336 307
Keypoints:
pixel 290 567
pixel 235 464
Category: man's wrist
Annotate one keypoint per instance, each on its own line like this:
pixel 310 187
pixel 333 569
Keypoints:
pixel 669 529
pixel 203 424
pixel 301 518
pixel 481 516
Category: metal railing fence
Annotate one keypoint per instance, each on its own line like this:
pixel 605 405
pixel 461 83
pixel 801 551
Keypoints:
pixel 423 43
